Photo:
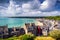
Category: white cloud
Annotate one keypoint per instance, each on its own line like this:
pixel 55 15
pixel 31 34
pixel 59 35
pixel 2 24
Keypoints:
pixel 26 7
pixel 48 4
pixel 30 9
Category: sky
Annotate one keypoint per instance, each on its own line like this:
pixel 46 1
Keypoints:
pixel 30 8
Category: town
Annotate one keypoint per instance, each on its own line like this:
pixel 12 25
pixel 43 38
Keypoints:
pixel 41 27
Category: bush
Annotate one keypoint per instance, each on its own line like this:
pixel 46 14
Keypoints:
pixel 27 37
pixel 44 38
pixel 22 37
pixel 1 39
pixel 55 34
pixel 12 38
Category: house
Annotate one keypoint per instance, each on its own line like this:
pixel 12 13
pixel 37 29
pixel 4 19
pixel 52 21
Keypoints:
pixel 4 31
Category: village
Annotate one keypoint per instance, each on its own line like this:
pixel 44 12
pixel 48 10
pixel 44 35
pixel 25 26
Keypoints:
pixel 42 27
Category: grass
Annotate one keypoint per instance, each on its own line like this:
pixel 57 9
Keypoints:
pixel 53 17
pixel 44 38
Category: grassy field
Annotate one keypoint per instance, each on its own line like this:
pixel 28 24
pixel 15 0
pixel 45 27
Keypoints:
pixel 53 17
pixel 37 38
pixel 44 38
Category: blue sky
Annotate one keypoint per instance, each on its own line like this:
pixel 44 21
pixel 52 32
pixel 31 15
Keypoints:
pixel 29 8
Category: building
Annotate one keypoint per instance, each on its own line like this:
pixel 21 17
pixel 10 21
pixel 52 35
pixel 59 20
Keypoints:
pixel 16 31
pixel 30 28
pixel 4 31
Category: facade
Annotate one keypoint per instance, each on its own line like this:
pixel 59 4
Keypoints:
pixel 3 31
pixel 16 31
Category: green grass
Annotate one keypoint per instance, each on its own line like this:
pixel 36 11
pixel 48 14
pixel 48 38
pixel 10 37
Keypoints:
pixel 29 37
pixel 53 17
pixel 44 38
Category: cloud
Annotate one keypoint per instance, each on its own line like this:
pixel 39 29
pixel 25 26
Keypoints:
pixel 48 4
pixel 40 13
pixel 26 7
pixel 31 8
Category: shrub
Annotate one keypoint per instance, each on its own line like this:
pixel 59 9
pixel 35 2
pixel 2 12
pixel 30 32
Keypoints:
pixel 27 37
pixel 55 34
pixel 11 38
pixel 1 39
pixel 44 38
pixel 22 37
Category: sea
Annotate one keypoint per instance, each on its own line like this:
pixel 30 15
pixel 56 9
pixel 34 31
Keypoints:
pixel 15 22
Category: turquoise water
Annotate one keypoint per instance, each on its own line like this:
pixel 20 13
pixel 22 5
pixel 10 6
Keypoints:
pixel 15 22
